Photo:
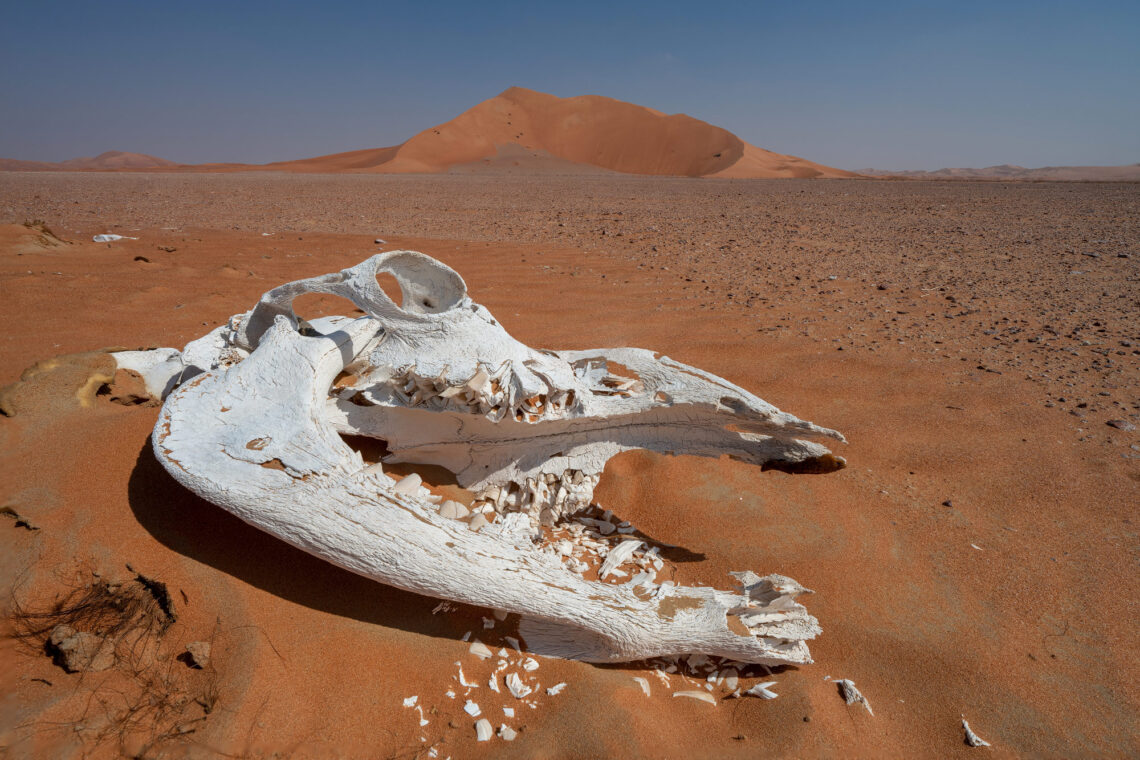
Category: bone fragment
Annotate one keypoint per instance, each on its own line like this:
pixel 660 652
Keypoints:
pixel 973 739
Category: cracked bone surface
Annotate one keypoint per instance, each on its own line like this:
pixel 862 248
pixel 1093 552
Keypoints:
pixel 258 407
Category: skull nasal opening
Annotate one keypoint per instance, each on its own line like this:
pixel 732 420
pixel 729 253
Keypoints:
pixel 427 286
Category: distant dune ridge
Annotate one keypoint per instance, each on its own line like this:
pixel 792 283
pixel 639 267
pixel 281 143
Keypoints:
pixel 522 130
pixel 1129 173
pixel 112 160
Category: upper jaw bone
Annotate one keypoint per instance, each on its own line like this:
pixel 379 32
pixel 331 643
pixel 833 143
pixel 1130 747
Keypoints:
pixel 259 436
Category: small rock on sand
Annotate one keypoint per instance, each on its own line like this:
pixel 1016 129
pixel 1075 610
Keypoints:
pixel 79 651
pixel 198 654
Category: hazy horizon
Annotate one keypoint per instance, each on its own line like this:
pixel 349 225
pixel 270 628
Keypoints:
pixel 893 86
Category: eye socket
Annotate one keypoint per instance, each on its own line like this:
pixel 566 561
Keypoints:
pixel 426 286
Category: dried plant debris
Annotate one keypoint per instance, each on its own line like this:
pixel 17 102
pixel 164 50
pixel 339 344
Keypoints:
pixel 144 699
pixel 972 739
pixel 22 521
pixel 851 695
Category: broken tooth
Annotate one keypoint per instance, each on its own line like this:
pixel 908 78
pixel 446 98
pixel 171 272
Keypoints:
pixel 453 510
pixel 408 485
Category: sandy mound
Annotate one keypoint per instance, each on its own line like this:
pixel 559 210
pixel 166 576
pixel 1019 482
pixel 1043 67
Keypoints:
pixel 1128 173
pixel 594 130
pixel 112 160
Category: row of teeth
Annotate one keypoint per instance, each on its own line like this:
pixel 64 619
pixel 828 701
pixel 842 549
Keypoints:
pixel 588 543
pixel 483 394
pixel 548 497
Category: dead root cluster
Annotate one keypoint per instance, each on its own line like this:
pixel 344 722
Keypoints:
pixel 134 691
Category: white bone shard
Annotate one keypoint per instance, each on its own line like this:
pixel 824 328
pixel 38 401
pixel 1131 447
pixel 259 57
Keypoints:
pixel 255 427
pixel 973 739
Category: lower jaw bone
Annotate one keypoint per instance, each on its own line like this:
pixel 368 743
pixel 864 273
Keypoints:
pixel 255 427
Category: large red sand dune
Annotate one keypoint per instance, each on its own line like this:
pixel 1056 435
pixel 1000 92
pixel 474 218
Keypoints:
pixel 596 131
pixel 522 130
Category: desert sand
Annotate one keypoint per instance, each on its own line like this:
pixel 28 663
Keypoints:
pixel 977 343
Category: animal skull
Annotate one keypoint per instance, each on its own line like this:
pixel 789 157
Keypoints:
pixel 256 410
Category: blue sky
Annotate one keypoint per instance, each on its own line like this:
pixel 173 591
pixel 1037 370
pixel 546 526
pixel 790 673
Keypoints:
pixel 887 84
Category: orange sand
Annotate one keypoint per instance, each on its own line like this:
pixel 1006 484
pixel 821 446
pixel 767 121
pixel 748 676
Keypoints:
pixel 1031 635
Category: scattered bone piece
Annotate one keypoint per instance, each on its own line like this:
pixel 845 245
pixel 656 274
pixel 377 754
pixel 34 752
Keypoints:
pixel 493 683
pixel 472 709
pixel 973 739
pixel 477 522
pixel 731 679
pixel 509 712
pixel 506 733
pixel 517 688
pixel 556 689
pixel 851 695
pixel 618 555
pixel 410 701
pixel 513 642
pixel 483 730
pixel 480 650
pixel 530 664
pixel 462 681
pixel 488 623
pixel 761 690
pixel 643 683
pixel 500 615
pixel 704 696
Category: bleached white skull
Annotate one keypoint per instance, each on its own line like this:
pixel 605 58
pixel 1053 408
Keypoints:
pixel 255 426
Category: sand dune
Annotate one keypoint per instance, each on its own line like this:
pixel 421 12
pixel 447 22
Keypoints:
pixel 117 159
pixel 1128 173
pixel 523 131
pixel 112 160
pixel 596 131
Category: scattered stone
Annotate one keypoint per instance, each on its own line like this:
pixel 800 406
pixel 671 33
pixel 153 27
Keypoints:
pixel 483 730
pixel 380 241
pixel 947 503
pixel 198 654
pixel 1124 425
pixel 79 651
pixel 851 695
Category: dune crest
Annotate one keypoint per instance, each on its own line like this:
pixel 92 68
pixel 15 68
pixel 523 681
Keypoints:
pixel 591 130
pixel 522 131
